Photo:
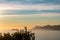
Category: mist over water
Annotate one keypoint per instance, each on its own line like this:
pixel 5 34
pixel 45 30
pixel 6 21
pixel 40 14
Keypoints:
pixel 40 34
pixel 47 35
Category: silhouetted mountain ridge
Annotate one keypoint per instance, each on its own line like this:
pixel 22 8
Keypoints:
pixel 49 27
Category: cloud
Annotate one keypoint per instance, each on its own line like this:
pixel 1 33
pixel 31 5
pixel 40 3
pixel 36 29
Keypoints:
pixel 31 15
pixel 19 7
pixel 25 12
pixel 28 7
pixel 31 1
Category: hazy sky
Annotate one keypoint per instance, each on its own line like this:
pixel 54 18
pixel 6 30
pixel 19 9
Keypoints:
pixel 19 13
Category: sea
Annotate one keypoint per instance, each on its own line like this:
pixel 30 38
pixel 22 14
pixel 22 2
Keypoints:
pixel 41 34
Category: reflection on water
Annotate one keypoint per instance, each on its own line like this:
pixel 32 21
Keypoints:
pixel 42 34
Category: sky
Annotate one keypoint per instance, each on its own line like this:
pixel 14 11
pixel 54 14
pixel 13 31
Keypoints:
pixel 30 13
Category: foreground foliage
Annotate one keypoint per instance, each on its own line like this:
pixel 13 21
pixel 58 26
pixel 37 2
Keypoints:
pixel 25 35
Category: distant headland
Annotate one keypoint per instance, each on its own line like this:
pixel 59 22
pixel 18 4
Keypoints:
pixel 48 27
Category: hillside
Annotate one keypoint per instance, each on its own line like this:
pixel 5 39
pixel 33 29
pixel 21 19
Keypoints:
pixel 49 27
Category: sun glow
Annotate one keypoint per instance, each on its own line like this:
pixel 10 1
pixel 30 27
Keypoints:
pixel 2 10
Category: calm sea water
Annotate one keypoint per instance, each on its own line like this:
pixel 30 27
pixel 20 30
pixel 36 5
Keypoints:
pixel 47 35
pixel 42 34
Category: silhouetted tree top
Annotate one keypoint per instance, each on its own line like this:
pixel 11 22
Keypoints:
pixel 27 35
